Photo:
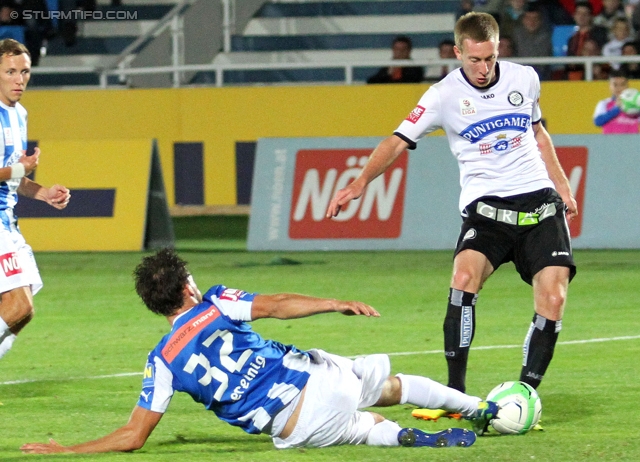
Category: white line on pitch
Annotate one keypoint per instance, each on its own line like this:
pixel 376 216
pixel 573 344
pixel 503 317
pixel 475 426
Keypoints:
pixel 401 353
pixel 495 347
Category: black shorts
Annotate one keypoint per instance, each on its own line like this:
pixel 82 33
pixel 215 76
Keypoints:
pixel 528 229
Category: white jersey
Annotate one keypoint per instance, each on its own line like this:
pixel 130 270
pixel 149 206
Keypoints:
pixel 488 129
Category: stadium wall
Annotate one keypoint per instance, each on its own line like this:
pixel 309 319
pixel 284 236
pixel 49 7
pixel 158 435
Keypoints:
pixel 220 121
pixel 414 205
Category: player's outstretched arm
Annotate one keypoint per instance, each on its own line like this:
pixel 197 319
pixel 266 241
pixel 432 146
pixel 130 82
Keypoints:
pixel 556 173
pixel 127 438
pixel 56 196
pixel 291 306
pixel 380 159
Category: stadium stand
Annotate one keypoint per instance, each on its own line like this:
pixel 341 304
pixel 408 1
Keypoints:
pixel 266 41
pixel 331 31
pixel 99 41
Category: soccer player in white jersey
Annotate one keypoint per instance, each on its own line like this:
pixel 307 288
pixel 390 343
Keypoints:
pixel 300 398
pixel 19 276
pixel 515 199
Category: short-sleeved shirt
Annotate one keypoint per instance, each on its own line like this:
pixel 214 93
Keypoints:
pixel 213 355
pixel 489 130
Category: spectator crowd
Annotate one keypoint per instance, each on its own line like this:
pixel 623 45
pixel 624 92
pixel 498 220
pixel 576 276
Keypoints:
pixel 547 28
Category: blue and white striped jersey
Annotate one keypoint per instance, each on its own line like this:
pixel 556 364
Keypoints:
pixel 214 355
pixel 12 142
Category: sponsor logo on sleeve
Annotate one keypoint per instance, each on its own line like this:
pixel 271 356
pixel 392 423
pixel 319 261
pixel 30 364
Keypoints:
pixel 415 115
pixel 232 295
pixel 148 376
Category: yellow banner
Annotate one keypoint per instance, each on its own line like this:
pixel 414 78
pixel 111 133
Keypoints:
pixel 109 184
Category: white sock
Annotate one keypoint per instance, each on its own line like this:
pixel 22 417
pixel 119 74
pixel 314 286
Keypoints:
pixel 384 433
pixel 6 342
pixel 3 327
pixel 427 393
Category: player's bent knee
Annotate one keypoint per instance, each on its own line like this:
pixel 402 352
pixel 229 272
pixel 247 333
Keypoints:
pixel 552 303
pixel 461 279
pixel 391 392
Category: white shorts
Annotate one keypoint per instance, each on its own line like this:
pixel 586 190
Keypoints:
pixel 336 389
pixel 18 266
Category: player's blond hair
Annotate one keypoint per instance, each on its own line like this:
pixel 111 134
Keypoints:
pixel 479 27
pixel 11 47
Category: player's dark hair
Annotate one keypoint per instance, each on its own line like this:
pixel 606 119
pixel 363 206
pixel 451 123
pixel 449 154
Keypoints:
pixel 479 27
pixel 404 39
pixel 12 47
pixel 160 280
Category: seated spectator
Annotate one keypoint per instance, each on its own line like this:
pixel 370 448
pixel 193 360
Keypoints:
pixel 466 6
pixel 68 27
pixel 532 38
pixel 555 13
pixel 8 13
pixel 608 114
pixel 510 15
pixel 635 19
pixel 493 7
pixel 583 18
pixel 445 51
pixel 586 33
pixel 570 6
pixel 632 70
pixel 401 49
pixel 505 47
pixel 621 32
pixel 38 29
pixel 600 70
pixel 611 11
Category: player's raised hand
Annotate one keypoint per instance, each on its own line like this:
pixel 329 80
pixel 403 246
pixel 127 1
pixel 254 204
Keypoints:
pixel 43 448
pixel 356 308
pixel 58 196
pixel 30 162
pixel 343 196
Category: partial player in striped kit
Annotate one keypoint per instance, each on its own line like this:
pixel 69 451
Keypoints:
pixel 300 398
pixel 19 276
pixel 515 198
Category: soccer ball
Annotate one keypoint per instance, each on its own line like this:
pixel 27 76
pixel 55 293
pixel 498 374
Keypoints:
pixel 630 102
pixel 520 408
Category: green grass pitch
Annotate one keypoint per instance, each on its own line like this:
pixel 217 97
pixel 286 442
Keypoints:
pixel 74 373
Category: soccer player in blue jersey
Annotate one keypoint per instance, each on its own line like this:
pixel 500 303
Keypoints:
pixel 19 276
pixel 299 398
